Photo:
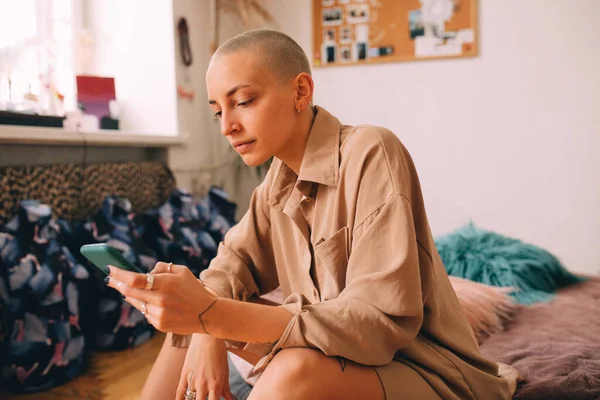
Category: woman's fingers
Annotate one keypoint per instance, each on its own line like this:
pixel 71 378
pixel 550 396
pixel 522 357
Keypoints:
pixel 183 384
pixel 151 281
pixel 135 302
pixel 149 296
pixel 201 393
pixel 226 393
pixel 132 279
pixel 154 314
pixel 214 394
pixel 148 309
pixel 168 268
pixel 200 387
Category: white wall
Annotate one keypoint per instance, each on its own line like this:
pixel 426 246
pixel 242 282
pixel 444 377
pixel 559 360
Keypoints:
pixel 207 158
pixel 510 139
pixel 134 43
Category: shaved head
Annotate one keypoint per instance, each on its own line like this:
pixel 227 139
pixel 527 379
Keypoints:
pixel 279 53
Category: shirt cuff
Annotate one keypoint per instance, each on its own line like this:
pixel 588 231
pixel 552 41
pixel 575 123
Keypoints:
pixel 292 335
pixel 229 276
pixel 181 341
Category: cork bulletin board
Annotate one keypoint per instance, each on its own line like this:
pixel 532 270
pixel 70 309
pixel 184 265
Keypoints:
pixel 347 32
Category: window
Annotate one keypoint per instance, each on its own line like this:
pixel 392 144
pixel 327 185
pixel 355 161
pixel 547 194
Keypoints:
pixel 44 44
pixel 38 42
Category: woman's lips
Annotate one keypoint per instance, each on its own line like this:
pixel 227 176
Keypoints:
pixel 242 147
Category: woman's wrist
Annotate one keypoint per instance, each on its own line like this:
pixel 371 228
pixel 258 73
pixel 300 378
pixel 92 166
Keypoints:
pixel 203 315
pixel 214 320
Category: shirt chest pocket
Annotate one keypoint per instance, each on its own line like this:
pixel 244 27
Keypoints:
pixel 331 262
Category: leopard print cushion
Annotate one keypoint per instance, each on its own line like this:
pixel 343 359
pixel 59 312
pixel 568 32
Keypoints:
pixel 76 192
pixel 146 185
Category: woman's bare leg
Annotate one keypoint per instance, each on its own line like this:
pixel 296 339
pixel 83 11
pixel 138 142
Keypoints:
pixel 164 377
pixel 312 374
pixel 309 374
pixel 166 371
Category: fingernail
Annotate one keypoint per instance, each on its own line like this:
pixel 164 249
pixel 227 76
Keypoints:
pixel 106 279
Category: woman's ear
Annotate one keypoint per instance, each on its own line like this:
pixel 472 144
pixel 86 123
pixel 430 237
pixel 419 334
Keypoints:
pixel 304 90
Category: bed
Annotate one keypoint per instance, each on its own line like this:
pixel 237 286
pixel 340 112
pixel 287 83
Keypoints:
pixel 554 346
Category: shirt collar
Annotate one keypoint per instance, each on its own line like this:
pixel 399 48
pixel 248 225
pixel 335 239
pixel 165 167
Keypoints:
pixel 320 163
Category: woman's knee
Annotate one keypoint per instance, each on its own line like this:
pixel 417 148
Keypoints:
pixel 291 365
pixel 287 374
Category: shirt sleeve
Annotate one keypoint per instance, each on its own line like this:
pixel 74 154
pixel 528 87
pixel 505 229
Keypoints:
pixel 244 265
pixel 381 308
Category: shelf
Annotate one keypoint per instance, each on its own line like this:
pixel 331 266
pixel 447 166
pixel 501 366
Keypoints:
pixel 13 134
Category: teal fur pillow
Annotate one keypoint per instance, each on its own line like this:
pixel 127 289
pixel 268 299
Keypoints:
pixel 490 258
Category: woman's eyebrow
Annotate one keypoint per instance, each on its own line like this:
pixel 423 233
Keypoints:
pixel 231 92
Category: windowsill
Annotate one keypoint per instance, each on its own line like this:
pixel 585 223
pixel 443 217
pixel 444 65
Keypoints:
pixel 15 134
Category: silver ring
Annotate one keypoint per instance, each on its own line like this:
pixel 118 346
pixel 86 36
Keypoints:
pixel 169 267
pixel 189 394
pixel 144 309
pixel 149 281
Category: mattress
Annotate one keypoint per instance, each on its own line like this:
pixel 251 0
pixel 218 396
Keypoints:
pixel 554 346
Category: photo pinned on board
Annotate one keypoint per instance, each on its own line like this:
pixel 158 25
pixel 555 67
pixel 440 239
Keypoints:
pixel 360 46
pixel 329 53
pixel 346 34
pixel 332 16
pixel 328 3
pixel 343 1
pixel 416 26
pixel 329 35
pixel 360 51
pixel 358 13
pixel 345 54
pixel 381 51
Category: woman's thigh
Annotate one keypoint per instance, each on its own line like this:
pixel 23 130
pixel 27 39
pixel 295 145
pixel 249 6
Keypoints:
pixel 310 374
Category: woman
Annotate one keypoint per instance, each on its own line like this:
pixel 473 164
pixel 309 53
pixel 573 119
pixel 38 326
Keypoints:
pixel 340 226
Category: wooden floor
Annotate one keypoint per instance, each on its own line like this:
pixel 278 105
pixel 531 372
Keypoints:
pixel 111 375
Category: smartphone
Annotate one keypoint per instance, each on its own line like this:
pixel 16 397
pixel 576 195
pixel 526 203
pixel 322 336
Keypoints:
pixel 102 255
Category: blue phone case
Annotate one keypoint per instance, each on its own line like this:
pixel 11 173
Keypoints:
pixel 102 255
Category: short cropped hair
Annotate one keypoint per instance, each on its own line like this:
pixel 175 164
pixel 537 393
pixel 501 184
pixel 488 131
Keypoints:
pixel 277 51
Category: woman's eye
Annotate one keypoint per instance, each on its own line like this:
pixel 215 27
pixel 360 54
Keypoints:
pixel 244 103
pixel 218 114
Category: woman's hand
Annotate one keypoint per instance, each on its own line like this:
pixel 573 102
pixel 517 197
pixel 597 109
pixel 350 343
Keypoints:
pixel 205 370
pixel 174 301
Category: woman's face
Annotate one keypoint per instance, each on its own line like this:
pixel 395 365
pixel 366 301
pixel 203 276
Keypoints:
pixel 257 112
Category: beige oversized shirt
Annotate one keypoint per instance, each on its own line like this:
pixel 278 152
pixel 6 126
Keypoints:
pixel 348 242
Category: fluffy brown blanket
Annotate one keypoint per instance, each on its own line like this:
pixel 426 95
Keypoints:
pixel 555 346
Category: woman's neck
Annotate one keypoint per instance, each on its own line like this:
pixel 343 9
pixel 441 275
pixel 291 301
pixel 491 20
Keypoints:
pixel 293 152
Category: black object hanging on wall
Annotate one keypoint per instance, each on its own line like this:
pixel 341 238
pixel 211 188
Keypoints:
pixel 184 42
